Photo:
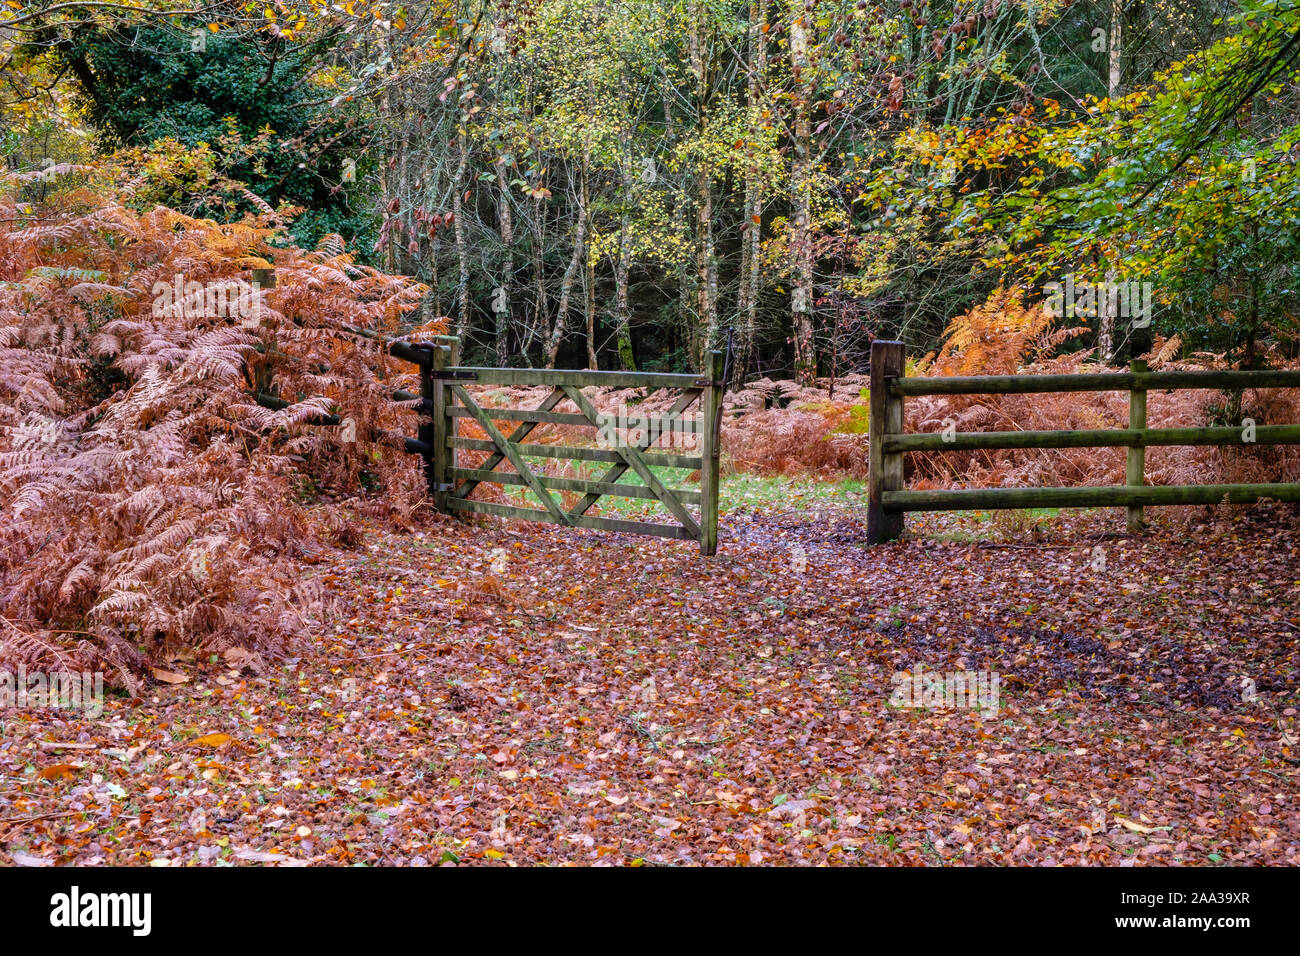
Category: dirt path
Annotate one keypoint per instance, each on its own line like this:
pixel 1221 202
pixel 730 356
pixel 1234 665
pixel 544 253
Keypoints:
pixel 517 693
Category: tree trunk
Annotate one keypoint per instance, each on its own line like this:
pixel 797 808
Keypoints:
pixel 537 328
pixel 622 307
pixel 435 277
pixel 706 268
pixel 751 242
pixel 801 253
pixel 386 156
pixel 706 273
pixel 571 271
pixel 590 284
pixel 462 253
pixel 501 297
pixel 623 263
pixel 1106 322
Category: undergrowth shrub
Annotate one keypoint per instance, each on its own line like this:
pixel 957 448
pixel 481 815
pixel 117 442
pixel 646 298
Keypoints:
pixel 818 440
pixel 152 508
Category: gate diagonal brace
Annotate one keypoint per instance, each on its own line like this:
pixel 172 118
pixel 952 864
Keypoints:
pixel 513 456
pixel 519 434
pixel 616 471
pixel 633 458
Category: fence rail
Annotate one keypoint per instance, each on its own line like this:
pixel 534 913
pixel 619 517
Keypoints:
pixel 1134 379
pixel 889 500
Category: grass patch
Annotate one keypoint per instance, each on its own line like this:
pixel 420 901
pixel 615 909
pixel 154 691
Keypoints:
pixel 735 491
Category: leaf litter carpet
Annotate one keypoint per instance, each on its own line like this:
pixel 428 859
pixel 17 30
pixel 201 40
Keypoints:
pixel 499 693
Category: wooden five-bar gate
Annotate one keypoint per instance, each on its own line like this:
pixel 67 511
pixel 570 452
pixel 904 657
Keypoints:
pixel 445 400
pixel 889 499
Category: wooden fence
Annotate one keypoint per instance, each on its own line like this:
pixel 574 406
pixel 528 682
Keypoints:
pixel 446 401
pixel 889 500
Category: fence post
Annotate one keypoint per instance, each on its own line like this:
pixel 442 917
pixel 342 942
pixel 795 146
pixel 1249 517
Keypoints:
pixel 441 354
pixel 1135 466
pixel 450 425
pixel 886 471
pixel 263 279
pixel 711 419
pixel 432 431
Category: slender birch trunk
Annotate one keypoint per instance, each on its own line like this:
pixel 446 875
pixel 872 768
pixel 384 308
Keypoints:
pixel 801 253
pixel 751 243
pixel 501 299
pixel 571 271
pixel 590 289
pixel 1106 336
pixel 458 225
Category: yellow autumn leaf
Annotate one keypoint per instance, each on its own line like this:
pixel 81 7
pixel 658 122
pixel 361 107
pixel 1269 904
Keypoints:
pixel 212 740
pixel 1134 826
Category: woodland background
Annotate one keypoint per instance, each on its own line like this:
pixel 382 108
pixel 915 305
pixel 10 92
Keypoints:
pixel 624 183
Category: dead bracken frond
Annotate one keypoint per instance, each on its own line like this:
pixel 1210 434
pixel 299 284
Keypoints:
pixel 151 505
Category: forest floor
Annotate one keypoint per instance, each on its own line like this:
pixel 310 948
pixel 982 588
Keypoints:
pixel 510 693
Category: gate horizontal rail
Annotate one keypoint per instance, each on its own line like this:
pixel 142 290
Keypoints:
pixel 580 378
pixel 535 415
pixel 889 501
pixel 581 453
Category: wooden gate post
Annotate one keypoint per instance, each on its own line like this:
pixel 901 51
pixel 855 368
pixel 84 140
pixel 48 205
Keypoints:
pixel 1135 466
pixel 263 279
pixel 710 452
pixel 438 481
pixel 432 390
pixel 886 471
pixel 450 456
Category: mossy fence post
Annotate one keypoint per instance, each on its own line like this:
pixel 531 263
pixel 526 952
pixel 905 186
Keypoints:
pixel 886 470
